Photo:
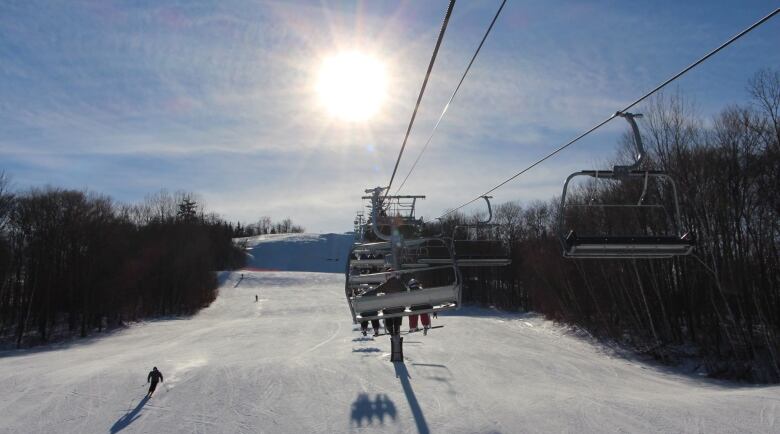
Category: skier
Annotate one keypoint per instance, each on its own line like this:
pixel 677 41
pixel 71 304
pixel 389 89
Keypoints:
pixel 154 377
pixel 256 298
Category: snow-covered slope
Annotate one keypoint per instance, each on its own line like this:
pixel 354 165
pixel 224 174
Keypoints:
pixel 293 363
pixel 323 253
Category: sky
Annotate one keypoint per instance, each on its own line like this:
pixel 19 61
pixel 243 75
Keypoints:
pixel 220 98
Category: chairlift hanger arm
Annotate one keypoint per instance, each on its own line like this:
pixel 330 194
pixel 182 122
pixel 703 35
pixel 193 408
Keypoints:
pixel 490 210
pixel 376 205
pixel 640 149
pixel 422 90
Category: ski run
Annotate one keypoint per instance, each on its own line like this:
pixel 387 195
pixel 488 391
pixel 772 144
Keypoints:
pixel 292 362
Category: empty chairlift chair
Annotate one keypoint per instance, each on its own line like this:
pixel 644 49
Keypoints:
pixel 639 216
pixel 488 252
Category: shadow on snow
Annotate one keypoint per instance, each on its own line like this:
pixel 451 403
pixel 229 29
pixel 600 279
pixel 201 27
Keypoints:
pixel 129 417
pixel 364 410
pixel 403 374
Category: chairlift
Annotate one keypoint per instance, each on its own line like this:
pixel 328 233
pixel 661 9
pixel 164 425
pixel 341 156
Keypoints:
pixel 389 213
pixel 480 253
pixel 378 273
pixel 630 238
pixel 385 294
pixel 359 226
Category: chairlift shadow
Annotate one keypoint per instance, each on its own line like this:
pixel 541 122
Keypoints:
pixel 366 350
pixel 439 373
pixel 364 410
pixel 431 365
pixel 475 311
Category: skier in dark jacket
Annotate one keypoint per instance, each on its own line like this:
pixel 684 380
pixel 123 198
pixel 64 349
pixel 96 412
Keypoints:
pixel 154 377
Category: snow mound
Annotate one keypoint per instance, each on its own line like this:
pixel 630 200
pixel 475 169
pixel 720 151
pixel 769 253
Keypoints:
pixel 275 238
pixel 322 253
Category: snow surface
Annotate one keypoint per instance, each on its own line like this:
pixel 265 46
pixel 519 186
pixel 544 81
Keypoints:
pixel 294 363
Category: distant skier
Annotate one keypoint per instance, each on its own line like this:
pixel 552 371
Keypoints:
pixel 154 377
pixel 256 298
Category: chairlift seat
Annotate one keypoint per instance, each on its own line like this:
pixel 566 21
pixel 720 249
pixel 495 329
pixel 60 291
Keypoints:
pixel 484 262
pixel 366 263
pixel 470 262
pixel 368 278
pixel 627 246
pixel 388 305
pixel 435 261
pixel 480 253
pixel 414 265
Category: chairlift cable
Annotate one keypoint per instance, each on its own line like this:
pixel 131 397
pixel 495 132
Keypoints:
pixel 447 106
pixel 605 121
pixel 422 91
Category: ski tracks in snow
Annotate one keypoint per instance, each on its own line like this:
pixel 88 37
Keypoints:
pixel 769 417
pixel 329 339
pixel 293 364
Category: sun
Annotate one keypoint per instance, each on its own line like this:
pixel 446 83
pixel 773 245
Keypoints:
pixel 352 86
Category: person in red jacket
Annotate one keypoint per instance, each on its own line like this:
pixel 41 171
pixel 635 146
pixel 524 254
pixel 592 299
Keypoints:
pixel 414 285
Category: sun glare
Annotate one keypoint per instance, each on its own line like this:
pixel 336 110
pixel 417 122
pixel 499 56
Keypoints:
pixel 352 86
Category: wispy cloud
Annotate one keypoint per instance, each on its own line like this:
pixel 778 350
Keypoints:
pixel 219 97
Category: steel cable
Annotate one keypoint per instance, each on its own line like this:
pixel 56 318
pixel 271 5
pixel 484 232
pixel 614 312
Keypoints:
pixel 447 106
pixel 422 91
pixel 605 121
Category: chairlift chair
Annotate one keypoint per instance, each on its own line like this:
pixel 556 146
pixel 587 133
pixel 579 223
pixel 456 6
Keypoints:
pixel 391 213
pixel 634 245
pixel 480 253
pixel 385 294
pixel 377 290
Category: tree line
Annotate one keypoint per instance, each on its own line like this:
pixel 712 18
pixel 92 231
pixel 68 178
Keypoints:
pixel 722 304
pixel 264 226
pixel 72 262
